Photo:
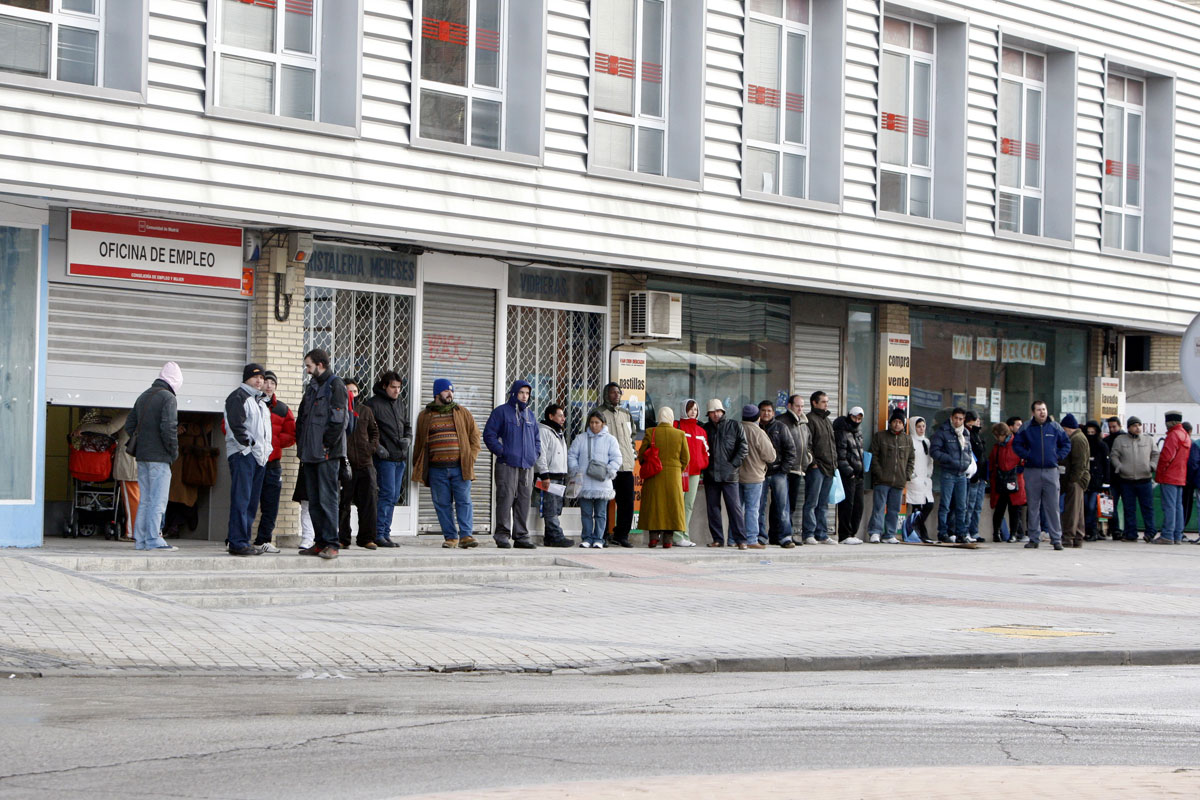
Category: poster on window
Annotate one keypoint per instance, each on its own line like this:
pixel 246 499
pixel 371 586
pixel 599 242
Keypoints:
pixel 1073 401
pixel 985 348
pixel 1023 351
pixel 896 370
pixel 962 348
pixel 995 406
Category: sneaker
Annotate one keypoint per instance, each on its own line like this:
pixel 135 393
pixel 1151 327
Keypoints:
pixel 564 542
pixel 314 550
pixel 248 550
pixel 787 544
pixel 585 544
pixel 875 538
pixel 1161 540
pixel 810 540
pixel 467 542
pixel 328 552
pixel 164 547
pixel 369 546
pixel 685 543
pixel 450 544
pixel 891 540
pixel 267 548
pixel 827 540
pixel 600 545
pixel 852 540
pixel 623 542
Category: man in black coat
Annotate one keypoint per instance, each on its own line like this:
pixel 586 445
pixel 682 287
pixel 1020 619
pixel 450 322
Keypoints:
pixel 780 530
pixel 847 434
pixel 395 434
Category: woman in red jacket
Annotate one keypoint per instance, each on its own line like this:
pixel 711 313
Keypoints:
pixel 697 443
pixel 1006 484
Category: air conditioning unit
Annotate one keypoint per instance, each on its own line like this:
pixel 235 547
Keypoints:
pixel 655 315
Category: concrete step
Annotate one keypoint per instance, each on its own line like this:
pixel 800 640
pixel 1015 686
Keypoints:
pixel 242 580
pixel 163 563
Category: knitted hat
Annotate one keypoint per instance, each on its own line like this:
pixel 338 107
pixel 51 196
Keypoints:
pixel 897 413
pixel 1133 421
pixel 270 376
pixel 714 405
pixel 749 412
pixel 442 385
pixel 173 375
pixel 1069 421
pixel 250 370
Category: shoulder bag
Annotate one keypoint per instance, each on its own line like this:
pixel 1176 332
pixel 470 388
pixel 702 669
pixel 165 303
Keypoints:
pixel 651 461
pixel 596 470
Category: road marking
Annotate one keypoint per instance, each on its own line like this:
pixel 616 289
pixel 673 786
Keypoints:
pixel 1033 632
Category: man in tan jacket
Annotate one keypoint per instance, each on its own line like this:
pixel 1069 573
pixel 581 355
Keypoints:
pixel 444 453
pixel 753 473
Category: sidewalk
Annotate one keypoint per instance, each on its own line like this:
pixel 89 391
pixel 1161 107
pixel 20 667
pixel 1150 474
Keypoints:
pixel 814 607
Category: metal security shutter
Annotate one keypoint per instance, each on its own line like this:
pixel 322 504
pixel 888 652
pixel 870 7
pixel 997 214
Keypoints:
pixel 106 346
pixel 817 363
pixel 458 341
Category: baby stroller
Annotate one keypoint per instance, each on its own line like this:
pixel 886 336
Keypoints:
pixel 96 506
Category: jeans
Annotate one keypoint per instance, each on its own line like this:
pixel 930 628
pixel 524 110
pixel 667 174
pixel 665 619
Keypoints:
pixel 886 499
pixel 1172 503
pixel 780 530
pixel 1090 513
pixel 451 492
pixel 321 483
pixel 952 508
pixel 361 491
pixel 245 486
pixel 713 492
pixel 794 481
pixel 752 495
pixel 593 512
pixel 272 486
pixel 552 506
pixel 816 501
pixel 1133 495
pixel 154 487
pixel 390 475
pixel 1041 491
pixel 974 505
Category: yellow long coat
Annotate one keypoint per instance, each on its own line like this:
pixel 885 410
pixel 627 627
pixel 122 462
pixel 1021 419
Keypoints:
pixel 662 494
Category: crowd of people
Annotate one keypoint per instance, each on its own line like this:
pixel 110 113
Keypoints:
pixel 1042 476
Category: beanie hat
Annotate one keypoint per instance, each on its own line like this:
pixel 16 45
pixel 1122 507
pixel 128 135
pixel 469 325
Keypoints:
pixel 897 413
pixel 1133 421
pixel 666 414
pixel 270 376
pixel 250 370
pixel 749 412
pixel 714 405
pixel 173 375
pixel 1174 416
pixel 442 385
pixel 1069 421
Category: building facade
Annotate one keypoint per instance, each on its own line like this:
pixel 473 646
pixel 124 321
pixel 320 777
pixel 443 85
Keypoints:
pixel 924 204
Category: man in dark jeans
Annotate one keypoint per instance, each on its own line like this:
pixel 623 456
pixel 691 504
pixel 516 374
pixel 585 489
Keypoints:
pixel 727 448
pixel 779 530
pixel 321 445
pixel 395 434
pixel 283 435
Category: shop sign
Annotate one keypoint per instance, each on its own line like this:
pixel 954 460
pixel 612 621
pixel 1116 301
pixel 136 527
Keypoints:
pixel 372 265
pixel 1108 398
pixel 985 348
pixel 558 286
pixel 895 380
pixel 1023 351
pixel 149 250
pixel 962 348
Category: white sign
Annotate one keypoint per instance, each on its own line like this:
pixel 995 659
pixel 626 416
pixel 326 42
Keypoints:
pixel 161 251
pixel 1074 401
pixel 981 396
pixel 995 415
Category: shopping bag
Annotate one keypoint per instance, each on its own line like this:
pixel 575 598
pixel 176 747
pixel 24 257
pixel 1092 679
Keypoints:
pixel 574 486
pixel 837 493
pixel 867 456
pixel 1105 506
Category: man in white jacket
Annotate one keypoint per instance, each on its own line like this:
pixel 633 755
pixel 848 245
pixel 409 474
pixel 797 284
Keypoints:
pixel 551 471
pixel 248 446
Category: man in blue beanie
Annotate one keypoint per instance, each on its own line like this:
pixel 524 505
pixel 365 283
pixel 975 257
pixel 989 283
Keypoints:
pixel 444 453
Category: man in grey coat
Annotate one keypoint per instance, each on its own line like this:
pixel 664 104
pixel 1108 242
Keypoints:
pixel 153 429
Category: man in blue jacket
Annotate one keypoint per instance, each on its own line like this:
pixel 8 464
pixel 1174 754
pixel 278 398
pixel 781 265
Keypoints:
pixel 511 434
pixel 1042 443
pixel 950 448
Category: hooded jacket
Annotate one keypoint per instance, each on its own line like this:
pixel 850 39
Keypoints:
pixel 1132 457
pixel 552 460
pixel 951 454
pixel 157 411
pixel 697 441
pixel 283 427
pixel 395 433
pixel 821 441
pixel 1097 459
pixel 848 435
pixel 1077 461
pixel 1042 444
pixel 797 424
pixel 603 447
pixel 727 448
pixel 511 432
pixel 919 489
pixel 321 423
pixel 1006 467
pixel 892 458
pixel 1172 459
pixel 248 424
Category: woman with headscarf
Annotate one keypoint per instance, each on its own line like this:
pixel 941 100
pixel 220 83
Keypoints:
pixel 918 492
pixel 1098 471
pixel 697 441
pixel 662 494
pixel 1007 484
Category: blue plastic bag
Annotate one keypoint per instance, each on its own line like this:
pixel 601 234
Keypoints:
pixel 837 492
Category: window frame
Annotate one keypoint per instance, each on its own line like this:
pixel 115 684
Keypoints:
pixel 1023 191
pixel 1123 211
pixel 279 59
pixel 57 18
pixel 782 147
pixel 637 120
pixel 910 170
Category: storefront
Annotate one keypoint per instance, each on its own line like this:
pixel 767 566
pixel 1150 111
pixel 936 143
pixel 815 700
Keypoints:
pixel 23 251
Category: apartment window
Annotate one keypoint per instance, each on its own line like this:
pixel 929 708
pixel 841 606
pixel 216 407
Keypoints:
pixel 775 118
pixel 1022 132
pixel 56 39
pixel 462 72
pixel 267 57
pixel 1124 154
pixel 906 92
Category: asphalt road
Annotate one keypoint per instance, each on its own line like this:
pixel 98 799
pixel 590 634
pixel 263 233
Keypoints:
pixel 400 736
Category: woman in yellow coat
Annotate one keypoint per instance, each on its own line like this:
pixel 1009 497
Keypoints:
pixel 662 495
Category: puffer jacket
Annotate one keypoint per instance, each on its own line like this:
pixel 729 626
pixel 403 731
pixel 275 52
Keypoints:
pixel 848 435
pixel 283 427
pixel 603 447
pixel 697 441
pixel 821 441
pixel 552 461
pixel 1006 467
pixel 947 452
pixel 395 434
pixel 1131 457
pixel 1097 463
pixel 1077 460
pixel 511 432
pixel 247 424
pixel 801 437
pixel 892 458
pixel 759 453
pixel 157 411
pixel 321 422
pixel 785 447
pixel 727 448
pixel 1172 460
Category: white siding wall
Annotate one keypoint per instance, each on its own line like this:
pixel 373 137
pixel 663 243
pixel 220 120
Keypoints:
pixel 167 155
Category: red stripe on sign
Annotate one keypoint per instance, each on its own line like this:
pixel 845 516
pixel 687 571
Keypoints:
pixel 1033 151
pixel 156 228
pixel 444 31
pixel 487 40
pixel 1113 167
pixel 153 276
pixel 920 127
pixel 795 102
pixel 651 72
pixel 263 3
pixel 762 96
pixel 304 7
pixel 1133 172
pixel 893 122
pixel 1010 147
pixel 614 65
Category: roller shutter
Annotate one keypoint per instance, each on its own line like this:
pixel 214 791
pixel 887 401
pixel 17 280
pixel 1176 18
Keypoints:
pixel 106 346
pixel 817 363
pixel 458 341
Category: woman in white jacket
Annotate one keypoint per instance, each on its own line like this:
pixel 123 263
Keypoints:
pixel 919 491
pixel 598 446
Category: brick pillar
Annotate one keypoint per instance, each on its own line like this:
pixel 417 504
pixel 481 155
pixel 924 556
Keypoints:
pixel 1164 353
pixel 893 318
pixel 279 346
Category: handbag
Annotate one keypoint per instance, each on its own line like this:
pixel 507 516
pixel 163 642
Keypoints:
pixel 596 470
pixel 651 462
